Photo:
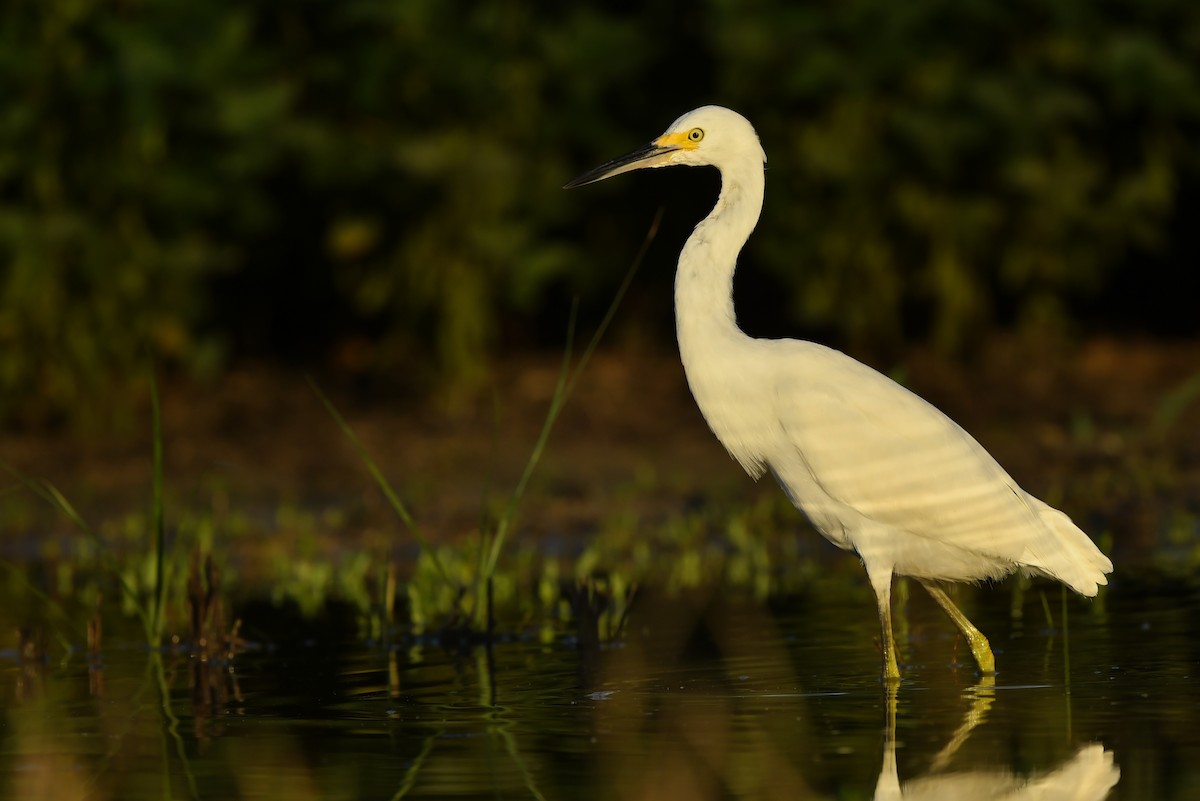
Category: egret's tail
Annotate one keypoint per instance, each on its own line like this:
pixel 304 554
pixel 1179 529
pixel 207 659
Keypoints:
pixel 1071 556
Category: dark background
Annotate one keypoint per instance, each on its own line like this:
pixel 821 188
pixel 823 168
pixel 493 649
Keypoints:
pixel 372 189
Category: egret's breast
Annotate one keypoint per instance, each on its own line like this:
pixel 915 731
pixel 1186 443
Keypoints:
pixel 729 392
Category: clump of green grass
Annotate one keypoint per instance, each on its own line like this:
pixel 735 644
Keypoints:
pixel 147 599
pixel 148 606
pixel 148 573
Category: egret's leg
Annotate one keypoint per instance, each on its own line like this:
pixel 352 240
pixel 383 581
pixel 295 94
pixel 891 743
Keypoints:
pixel 980 648
pixel 881 581
pixel 890 671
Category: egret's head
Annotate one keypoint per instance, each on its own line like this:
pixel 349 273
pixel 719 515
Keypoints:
pixel 709 135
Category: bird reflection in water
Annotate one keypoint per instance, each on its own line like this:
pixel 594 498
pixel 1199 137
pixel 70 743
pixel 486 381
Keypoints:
pixel 704 699
pixel 1089 775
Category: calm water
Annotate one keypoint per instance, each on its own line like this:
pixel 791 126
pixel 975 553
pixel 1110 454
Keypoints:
pixel 705 698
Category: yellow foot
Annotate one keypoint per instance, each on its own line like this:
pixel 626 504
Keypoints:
pixel 982 651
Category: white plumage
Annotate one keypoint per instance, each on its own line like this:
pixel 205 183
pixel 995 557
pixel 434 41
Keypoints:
pixel 875 468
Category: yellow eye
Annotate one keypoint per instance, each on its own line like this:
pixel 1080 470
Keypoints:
pixel 695 135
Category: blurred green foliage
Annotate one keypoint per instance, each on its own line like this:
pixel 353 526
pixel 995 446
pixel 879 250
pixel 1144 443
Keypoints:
pixel 956 154
pixel 199 181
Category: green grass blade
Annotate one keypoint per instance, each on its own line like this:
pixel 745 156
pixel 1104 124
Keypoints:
pixel 20 576
pixel 567 380
pixel 485 532
pixel 51 495
pixel 58 500
pixel 384 485
pixel 539 446
pixel 618 296
pixel 1046 610
pixel 157 517
pixel 1172 405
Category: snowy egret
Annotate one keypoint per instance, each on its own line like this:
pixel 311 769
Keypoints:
pixel 875 468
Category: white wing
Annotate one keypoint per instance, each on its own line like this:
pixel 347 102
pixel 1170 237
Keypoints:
pixel 883 452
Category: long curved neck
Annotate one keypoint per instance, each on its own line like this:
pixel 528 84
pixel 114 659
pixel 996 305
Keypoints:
pixel 704 277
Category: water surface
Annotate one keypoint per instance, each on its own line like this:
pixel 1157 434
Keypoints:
pixel 705 696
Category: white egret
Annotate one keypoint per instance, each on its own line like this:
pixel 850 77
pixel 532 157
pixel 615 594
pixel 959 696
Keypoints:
pixel 875 468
